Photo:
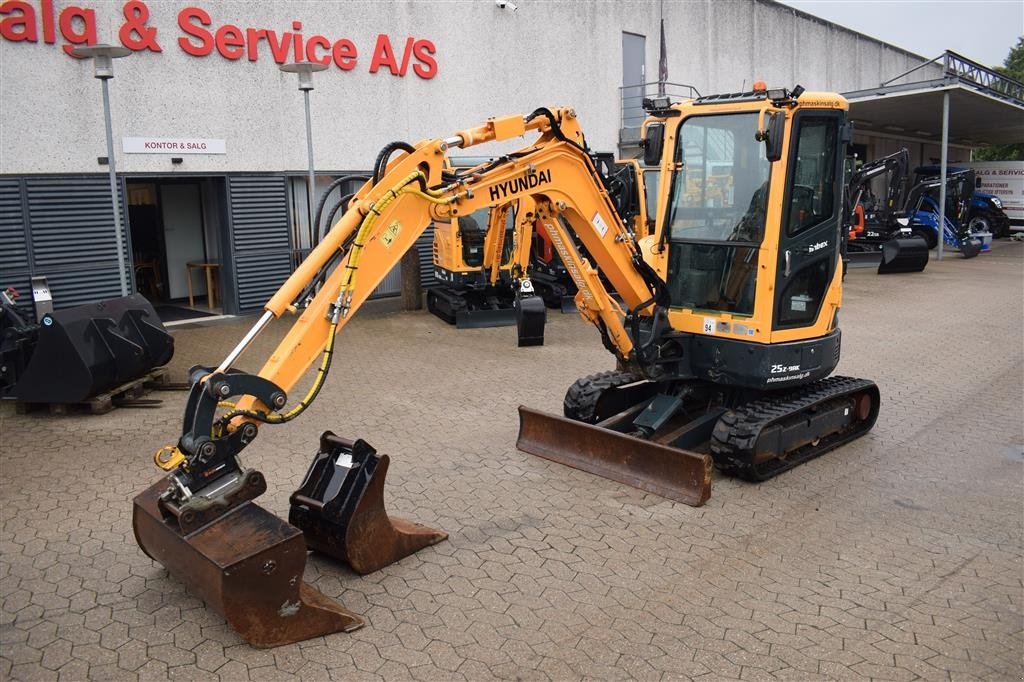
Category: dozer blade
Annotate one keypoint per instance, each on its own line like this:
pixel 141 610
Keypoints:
pixel 247 565
pixel 340 508
pixel 478 318
pixel 903 255
pixel 677 474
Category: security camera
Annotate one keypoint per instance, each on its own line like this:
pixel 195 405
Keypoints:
pixel 505 4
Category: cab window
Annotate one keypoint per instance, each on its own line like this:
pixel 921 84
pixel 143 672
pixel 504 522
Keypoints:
pixel 812 183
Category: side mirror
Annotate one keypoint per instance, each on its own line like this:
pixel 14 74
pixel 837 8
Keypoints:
pixel 977 183
pixel 773 136
pixel 654 142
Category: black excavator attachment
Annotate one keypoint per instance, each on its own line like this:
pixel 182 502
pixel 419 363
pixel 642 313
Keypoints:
pixel 76 353
pixel 903 255
pixel 340 508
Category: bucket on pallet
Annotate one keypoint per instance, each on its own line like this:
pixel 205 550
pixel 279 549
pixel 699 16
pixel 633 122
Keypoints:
pixel 76 353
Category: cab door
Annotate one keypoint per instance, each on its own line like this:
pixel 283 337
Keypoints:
pixel 809 236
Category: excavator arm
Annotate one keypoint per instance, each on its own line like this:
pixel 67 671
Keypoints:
pixel 386 218
pixel 383 221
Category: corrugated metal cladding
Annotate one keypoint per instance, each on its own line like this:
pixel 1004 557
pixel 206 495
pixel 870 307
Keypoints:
pixel 61 228
pixel 261 244
pixel 425 245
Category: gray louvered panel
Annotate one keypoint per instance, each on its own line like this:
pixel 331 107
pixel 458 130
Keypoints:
pixel 82 286
pixel 391 285
pixel 258 277
pixel 72 222
pixel 260 237
pixel 13 240
pixel 425 245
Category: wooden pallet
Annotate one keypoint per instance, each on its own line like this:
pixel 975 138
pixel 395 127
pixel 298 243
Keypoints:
pixel 157 379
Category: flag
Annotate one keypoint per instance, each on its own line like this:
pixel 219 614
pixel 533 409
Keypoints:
pixel 662 62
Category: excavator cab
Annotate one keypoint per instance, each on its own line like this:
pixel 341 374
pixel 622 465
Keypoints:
pixel 738 272
pixel 729 364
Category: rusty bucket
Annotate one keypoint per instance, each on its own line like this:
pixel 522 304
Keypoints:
pixel 677 474
pixel 247 565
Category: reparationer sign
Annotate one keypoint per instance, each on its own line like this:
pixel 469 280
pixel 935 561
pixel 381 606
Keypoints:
pixel 177 145
pixel 200 35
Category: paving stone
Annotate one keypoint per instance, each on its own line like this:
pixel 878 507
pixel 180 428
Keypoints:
pixel 895 557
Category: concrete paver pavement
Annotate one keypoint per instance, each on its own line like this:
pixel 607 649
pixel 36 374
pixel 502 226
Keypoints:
pixel 897 557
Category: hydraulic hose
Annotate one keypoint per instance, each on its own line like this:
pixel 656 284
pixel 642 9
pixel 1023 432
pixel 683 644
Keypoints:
pixel 381 164
pixel 316 232
pixel 342 304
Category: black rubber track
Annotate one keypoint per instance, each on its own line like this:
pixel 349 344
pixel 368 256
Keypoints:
pixel 581 398
pixel 736 433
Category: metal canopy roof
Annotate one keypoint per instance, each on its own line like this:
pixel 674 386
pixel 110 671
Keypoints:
pixel 985 107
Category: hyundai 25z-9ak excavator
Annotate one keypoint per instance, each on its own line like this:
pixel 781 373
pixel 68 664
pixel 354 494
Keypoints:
pixel 724 327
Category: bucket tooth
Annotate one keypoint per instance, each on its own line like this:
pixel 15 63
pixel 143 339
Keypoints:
pixel 247 565
pixel 677 474
pixel 340 508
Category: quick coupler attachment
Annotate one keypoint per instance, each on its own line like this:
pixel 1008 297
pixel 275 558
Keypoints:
pixel 340 508
pixel 247 565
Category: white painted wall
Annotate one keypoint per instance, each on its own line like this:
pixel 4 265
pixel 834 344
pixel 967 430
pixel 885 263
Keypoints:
pixel 490 62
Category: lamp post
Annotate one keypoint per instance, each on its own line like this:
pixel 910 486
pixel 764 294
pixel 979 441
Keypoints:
pixel 305 71
pixel 103 68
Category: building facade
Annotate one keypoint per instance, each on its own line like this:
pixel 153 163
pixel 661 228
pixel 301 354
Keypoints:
pixel 209 134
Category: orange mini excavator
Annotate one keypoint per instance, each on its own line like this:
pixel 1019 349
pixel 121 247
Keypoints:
pixel 723 320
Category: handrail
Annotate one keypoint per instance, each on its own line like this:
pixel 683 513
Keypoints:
pixel 631 99
pixel 962 68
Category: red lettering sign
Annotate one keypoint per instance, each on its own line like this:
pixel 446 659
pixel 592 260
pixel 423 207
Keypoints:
pixel 21 22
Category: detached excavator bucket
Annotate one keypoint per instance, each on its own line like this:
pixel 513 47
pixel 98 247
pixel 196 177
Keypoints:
pixel 247 565
pixel 82 351
pixel 340 508
pixel 903 255
pixel 677 474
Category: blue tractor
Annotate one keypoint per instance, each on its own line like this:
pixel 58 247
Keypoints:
pixel 984 211
pixel 923 217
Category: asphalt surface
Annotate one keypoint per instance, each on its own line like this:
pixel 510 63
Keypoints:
pixel 898 556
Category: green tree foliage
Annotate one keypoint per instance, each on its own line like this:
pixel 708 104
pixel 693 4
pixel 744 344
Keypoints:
pixel 1013 66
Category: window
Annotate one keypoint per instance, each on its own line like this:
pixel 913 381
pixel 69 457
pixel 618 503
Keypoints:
pixel 812 182
pixel 721 192
pixel 802 297
pixel 717 214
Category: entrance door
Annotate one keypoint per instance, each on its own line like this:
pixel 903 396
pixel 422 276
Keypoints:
pixel 633 76
pixel 182 210
pixel 173 222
